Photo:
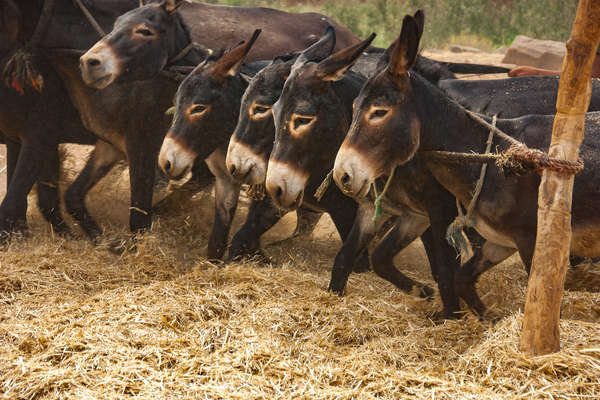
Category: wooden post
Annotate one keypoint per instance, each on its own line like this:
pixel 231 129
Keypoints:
pixel 544 292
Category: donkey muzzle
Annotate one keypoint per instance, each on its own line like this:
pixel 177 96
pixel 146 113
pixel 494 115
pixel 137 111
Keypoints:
pixel 285 185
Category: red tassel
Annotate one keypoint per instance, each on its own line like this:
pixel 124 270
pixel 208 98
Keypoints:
pixel 17 86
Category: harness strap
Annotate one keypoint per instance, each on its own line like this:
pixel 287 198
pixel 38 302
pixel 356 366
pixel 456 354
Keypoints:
pixel 455 233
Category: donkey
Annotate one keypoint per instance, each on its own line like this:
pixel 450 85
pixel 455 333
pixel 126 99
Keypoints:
pixel 33 124
pixel 128 117
pixel 144 40
pixel 398 114
pixel 311 117
pixel 512 97
pixel 207 105
pixel 252 142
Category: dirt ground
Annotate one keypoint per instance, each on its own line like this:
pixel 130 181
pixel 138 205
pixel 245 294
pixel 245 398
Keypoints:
pixel 160 321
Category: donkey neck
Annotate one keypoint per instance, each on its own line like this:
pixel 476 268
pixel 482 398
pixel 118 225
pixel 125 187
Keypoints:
pixel 183 54
pixel 445 125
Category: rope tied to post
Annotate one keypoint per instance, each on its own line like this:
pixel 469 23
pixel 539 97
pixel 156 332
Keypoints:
pixel 518 159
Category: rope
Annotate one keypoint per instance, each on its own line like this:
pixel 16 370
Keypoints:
pixel 518 159
pixel 320 192
pixel 455 233
pixel 378 197
pixel 184 52
pixel 90 18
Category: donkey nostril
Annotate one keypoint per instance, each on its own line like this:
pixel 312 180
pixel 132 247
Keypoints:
pixel 167 166
pixel 232 170
pixel 345 179
pixel 279 192
pixel 93 62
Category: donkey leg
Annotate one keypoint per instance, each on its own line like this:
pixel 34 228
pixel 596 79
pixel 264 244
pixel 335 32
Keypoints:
pixel 444 263
pixel 262 215
pixel 526 247
pixel 307 221
pixel 355 244
pixel 406 229
pixel 28 166
pixel 343 211
pixel 12 156
pixel 142 172
pixel 48 194
pixel 100 162
pixel 487 256
pixel 227 192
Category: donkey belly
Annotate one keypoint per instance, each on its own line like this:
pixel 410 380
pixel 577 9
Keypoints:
pixel 491 234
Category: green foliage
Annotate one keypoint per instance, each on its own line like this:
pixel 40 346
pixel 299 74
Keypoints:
pixel 498 21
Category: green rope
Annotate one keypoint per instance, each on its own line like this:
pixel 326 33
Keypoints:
pixel 378 209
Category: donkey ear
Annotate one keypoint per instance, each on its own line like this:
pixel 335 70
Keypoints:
pixel 404 51
pixel 335 66
pixel 230 63
pixel 319 50
pixel 169 5
pixel 420 20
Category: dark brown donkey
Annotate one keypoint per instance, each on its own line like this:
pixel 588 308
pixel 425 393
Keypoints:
pixel 207 105
pixel 311 118
pixel 32 125
pixel 129 117
pixel 398 114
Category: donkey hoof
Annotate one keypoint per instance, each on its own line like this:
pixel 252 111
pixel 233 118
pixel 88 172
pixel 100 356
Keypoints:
pixel 424 292
pixel 360 268
pixel 440 316
pixel 490 316
pixel 336 289
pixel 63 231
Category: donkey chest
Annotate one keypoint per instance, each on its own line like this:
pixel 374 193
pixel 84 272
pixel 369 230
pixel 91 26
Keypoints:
pixel 406 198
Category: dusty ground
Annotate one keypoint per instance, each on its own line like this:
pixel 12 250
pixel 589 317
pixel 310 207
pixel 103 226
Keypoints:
pixel 162 322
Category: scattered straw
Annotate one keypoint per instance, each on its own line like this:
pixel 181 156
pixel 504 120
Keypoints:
pixel 161 322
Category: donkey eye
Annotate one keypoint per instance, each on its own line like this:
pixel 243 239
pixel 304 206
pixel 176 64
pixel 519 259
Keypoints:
pixel 302 121
pixel 144 32
pixel 197 109
pixel 379 113
pixel 261 109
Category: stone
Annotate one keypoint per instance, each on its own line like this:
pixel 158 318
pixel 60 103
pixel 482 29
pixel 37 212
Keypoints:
pixel 547 54
pixel 455 48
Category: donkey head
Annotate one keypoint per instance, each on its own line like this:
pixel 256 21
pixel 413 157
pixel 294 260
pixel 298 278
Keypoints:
pixel 141 43
pixel 252 140
pixel 311 117
pixel 385 128
pixel 207 105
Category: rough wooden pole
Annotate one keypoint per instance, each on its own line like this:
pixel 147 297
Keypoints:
pixel 544 292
